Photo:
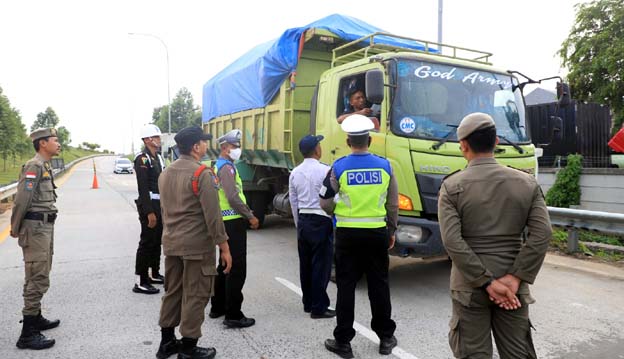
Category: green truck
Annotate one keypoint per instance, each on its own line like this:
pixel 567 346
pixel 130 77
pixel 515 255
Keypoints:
pixel 421 93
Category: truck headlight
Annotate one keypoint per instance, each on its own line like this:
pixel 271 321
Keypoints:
pixel 409 234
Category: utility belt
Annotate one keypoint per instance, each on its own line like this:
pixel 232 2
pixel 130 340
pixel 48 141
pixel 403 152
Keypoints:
pixel 40 216
pixel 316 211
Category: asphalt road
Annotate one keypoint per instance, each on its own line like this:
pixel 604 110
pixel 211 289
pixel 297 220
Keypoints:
pixel 577 315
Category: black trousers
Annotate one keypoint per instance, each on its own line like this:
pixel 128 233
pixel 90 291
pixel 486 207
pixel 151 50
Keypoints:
pixel 316 247
pixel 148 253
pixel 228 291
pixel 362 251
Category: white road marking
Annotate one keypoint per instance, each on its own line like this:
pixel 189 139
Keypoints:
pixel 364 331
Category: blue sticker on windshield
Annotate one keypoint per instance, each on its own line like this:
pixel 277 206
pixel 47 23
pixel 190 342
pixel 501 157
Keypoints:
pixel 407 125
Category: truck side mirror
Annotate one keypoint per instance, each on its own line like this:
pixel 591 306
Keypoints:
pixel 556 126
pixel 563 94
pixel 375 86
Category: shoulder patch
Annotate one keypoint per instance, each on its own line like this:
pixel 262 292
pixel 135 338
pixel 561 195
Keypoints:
pixel 31 175
pixel 29 185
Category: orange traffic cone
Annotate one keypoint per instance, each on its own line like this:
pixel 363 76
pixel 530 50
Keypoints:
pixel 95 182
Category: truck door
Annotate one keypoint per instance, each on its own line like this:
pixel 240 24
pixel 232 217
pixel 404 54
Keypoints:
pixel 349 86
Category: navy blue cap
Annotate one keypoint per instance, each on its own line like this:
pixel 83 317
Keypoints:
pixel 189 136
pixel 308 143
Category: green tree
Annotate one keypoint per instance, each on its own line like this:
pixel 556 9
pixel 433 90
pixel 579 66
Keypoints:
pixel 91 146
pixel 45 119
pixel 594 55
pixel 64 136
pixel 183 113
pixel 12 131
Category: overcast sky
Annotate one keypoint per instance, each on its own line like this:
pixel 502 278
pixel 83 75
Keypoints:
pixel 77 56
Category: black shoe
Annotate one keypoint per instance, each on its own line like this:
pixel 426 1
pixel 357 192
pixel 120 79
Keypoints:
pixel 42 323
pixel 342 349
pixel 145 288
pixel 199 353
pixel 387 344
pixel 327 314
pixel 243 322
pixel 165 350
pixel 157 279
pixel 215 315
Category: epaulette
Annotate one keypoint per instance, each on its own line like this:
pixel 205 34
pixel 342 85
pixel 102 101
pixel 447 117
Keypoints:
pixel 529 172
pixel 449 175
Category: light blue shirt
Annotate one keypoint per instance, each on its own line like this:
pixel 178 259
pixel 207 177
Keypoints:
pixel 304 185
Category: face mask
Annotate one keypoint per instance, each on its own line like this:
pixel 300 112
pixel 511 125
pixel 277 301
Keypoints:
pixel 235 153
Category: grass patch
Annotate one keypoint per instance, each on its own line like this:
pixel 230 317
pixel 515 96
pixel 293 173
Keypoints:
pixel 559 242
pixel 13 168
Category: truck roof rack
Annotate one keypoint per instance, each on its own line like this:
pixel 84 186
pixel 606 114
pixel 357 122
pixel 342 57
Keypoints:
pixel 355 50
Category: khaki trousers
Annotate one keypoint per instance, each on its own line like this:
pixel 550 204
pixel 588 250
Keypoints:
pixel 189 283
pixel 475 317
pixel 37 241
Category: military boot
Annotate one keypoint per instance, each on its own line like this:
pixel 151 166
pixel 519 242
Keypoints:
pixel 190 350
pixel 31 337
pixel 41 323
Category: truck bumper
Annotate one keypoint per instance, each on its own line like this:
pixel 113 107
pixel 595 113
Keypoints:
pixel 418 237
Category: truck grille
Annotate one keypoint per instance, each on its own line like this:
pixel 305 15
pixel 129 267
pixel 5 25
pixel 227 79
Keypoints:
pixel 429 186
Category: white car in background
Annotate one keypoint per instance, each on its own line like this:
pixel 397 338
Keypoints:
pixel 123 165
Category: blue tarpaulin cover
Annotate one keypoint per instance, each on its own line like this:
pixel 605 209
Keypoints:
pixel 254 79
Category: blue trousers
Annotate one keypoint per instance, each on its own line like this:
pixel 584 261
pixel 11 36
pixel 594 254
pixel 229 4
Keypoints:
pixel 316 246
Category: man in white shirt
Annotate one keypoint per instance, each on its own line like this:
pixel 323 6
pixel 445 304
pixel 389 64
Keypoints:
pixel 314 228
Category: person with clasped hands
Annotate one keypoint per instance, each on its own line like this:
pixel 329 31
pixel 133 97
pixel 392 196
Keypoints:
pixel 483 211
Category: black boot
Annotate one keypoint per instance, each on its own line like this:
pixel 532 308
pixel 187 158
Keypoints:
pixel 42 323
pixel 190 350
pixel 169 345
pixel 31 338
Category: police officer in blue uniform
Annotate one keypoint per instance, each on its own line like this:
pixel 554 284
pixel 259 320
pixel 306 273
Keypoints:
pixel 362 192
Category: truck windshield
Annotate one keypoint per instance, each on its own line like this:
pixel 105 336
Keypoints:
pixel 430 98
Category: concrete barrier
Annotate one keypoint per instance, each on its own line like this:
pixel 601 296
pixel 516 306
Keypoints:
pixel 602 189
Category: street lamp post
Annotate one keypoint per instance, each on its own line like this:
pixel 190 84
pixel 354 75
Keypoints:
pixel 168 87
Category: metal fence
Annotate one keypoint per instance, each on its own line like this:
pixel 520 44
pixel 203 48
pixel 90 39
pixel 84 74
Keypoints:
pixel 10 190
pixel 577 219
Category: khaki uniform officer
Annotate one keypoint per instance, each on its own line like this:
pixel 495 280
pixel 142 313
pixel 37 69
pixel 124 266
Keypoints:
pixel 483 211
pixel 366 212
pixel 32 221
pixel 192 228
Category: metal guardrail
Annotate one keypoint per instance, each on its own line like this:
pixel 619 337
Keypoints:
pixel 11 190
pixel 578 219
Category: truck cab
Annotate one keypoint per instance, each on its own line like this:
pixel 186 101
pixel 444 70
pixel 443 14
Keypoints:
pixel 421 100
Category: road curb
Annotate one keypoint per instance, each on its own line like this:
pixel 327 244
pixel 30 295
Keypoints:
pixel 580 265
